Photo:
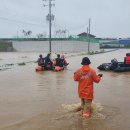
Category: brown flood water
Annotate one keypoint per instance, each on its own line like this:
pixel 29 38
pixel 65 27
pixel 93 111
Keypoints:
pixel 43 101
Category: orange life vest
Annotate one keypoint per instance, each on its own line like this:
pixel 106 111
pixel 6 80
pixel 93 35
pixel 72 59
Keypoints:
pixel 127 60
pixel 57 68
pixel 39 68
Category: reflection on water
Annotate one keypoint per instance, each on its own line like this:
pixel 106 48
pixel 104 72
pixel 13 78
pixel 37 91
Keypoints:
pixel 39 100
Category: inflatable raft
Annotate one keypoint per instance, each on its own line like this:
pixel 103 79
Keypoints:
pixel 54 68
pixel 119 67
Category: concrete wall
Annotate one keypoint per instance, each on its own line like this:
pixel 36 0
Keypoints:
pixel 57 46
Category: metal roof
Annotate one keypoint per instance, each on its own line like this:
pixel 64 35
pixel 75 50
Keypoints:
pixel 124 41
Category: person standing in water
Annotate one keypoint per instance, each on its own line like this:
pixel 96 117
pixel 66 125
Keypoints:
pixel 85 77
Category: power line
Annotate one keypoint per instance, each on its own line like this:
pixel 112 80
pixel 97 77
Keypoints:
pixel 14 14
pixel 17 21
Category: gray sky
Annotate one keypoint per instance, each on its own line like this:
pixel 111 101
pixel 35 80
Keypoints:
pixel 109 18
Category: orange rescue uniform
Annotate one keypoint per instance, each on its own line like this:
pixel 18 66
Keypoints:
pixel 85 77
pixel 127 60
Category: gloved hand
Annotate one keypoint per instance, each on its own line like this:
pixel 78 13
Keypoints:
pixel 100 75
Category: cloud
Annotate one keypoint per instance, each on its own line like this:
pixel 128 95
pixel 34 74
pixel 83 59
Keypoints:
pixel 108 17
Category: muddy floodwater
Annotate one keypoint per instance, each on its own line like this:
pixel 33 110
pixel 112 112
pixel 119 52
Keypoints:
pixel 32 100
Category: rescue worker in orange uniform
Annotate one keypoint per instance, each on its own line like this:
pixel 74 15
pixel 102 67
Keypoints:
pixel 64 62
pixel 85 77
pixel 127 59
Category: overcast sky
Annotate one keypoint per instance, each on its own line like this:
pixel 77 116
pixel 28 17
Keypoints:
pixel 109 18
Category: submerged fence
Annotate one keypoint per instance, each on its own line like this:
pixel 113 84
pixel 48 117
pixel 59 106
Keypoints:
pixel 84 39
pixel 70 44
pixel 70 38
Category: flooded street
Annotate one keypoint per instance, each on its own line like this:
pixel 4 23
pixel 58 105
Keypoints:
pixel 32 100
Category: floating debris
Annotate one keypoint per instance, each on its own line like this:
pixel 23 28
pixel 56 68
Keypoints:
pixel 100 51
pixel 23 63
pixel 31 62
pixel 24 57
pixel 9 64
pixel 35 61
pixel 4 69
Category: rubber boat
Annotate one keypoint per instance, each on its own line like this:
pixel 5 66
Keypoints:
pixel 55 68
pixel 119 67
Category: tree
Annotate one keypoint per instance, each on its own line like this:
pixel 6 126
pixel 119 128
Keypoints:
pixel 41 35
pixel 27 33
pixel 61 33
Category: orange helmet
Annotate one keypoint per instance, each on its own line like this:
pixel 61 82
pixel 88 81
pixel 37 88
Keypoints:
pixel 62 56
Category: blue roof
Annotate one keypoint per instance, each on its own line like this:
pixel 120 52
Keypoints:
pixel 124 41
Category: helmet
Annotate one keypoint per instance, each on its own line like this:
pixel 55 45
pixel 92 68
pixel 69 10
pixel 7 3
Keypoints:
pixel 127 54
pixel 62 56
pixel 58 55
pixel 48 55
pixel 85 61
pixel 40 55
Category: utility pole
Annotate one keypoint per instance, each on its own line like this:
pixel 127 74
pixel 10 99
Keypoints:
pixel 89 36
pixel 50 25
pixel 50 18
pixel 88 39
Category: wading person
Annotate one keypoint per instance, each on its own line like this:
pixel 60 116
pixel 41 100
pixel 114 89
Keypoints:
pixel 85 77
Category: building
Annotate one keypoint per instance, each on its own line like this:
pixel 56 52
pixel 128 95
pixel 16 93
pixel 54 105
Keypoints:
pixel 119 43
pixel 84 34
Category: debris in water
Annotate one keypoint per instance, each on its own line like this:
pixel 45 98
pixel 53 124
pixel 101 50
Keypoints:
pixel 23 63
pixel 24 57
pixel 9 64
